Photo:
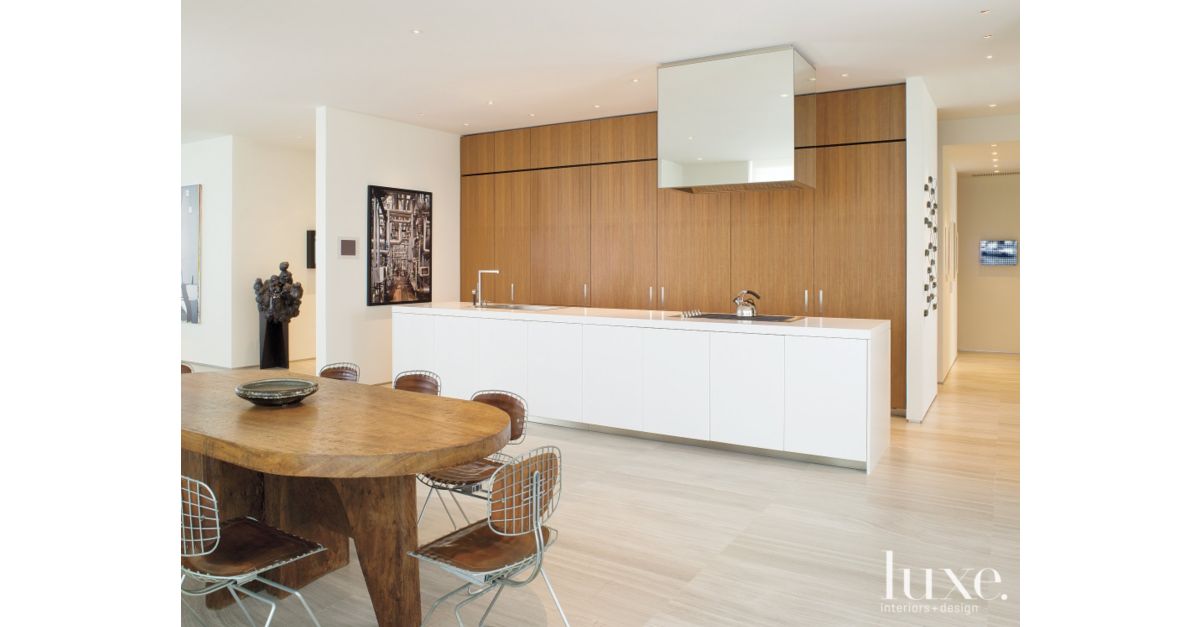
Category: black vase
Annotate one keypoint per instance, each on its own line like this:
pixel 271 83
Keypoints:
pixel 272 343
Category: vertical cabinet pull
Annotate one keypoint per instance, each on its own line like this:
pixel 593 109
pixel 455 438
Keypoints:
pixel 806 302
pixel 585 295
pixel 512 292
pixel 821 302
pixel 662 297
pixel 650 297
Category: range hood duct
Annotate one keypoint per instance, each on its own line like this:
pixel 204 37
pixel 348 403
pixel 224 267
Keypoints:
pixel 728 122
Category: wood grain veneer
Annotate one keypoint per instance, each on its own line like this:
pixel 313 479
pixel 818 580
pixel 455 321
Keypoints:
pixel 871 114
pixel 625 138
pixel 858 257
pixel 477 233
pixel 345 430
pixel 512 150
pixel 624 227
pixel 513 200
pixel 693 251
pixel 560 242
pixel 477 153
pixel 561 144
pixel 772 248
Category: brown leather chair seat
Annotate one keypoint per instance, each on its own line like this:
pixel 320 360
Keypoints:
pixel 469 473
pixel 477 549
pixel 248 546
pixel 416 383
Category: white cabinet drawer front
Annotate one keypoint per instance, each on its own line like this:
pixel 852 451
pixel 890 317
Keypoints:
pixel 556 371
pixel 503 355
pixel 413 345
pixel 675 399
pixel 827 397
pixel 746 389
pixel 457 342
pixel 612 376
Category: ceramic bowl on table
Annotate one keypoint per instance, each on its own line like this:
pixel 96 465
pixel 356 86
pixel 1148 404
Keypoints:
pixel 276 392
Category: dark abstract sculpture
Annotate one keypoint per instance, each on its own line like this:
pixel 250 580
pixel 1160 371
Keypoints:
pixel 278 300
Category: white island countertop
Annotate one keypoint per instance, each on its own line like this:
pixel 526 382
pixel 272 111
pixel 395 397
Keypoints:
pixel 654 319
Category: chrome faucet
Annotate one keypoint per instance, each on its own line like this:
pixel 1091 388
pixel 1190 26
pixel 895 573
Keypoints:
pixel 477 296
pixel 745 305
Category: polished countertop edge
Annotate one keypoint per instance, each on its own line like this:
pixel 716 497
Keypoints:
pixel 811 326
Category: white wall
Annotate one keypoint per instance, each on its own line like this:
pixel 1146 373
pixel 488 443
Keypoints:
pixel 354 151
pixel 209 163
pixel 989 296
pixel 274 204
pixel 948 272
pixel 921 132
pixel 992 128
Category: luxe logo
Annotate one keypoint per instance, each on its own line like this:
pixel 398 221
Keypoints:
pixel 958 580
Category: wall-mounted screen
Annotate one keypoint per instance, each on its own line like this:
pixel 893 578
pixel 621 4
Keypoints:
pixel 998 252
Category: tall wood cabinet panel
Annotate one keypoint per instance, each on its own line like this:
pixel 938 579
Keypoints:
pixel 477 233
pixel 512 150
pixel 560 224
pixel 872 114
pixel 513 203
pixel 625 138
pixel 561 144
pixel 477 153
pixel 624 245
pixel 859 237
pixel 772 248
pixel 693 251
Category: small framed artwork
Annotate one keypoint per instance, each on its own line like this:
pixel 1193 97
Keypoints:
pixel 998 252
pixel 347 247
pixel 399 246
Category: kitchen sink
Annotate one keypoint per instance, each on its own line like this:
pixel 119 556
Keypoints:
pixel 723 316
pixel 519 307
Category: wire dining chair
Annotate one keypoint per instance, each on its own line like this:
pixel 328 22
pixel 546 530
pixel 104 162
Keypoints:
pixel 342 370
pixel 470 479
pixel 229 555
pixel 506 549
pixel 420 381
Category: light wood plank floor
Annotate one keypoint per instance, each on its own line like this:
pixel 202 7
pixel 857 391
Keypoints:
pixel 663 534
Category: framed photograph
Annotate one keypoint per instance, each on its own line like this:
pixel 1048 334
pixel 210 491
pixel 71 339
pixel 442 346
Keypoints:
pixel 189 274
pixel 998 252
pixel 399 246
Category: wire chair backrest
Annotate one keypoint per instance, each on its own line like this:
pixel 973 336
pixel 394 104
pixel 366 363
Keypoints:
pixel 525 491
pixel 184 368
pixel 420 381
pixel 199 522
pixel 513 405
pixel 342 370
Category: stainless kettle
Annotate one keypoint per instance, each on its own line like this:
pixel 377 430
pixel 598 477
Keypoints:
pixel 745 305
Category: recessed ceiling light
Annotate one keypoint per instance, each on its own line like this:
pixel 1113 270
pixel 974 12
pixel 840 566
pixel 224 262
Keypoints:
pixel 993 145
pixel 699 158
pixel 845 75
pixel 491 103
pixel 987 36
pixel 992 106
pixel 812 78
pixel 595 106
pixel 466 123
pixel 530 115
pixel 689 137
pixel 416 31
pixel 783 95
pixel 635 80
pixel 989 56
pixel 994 153
pixel 994 160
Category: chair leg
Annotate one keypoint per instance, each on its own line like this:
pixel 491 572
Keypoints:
pixel 295 593
pixel 464 602
pixel 443 598
pixel 453 523
pixel 260 597
pixel 466 519
pixel 424 505
pixel 249 618
pixel 546 578
pixel 499 589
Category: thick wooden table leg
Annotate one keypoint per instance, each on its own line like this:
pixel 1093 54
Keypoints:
pixel 311 509
pixel 382 515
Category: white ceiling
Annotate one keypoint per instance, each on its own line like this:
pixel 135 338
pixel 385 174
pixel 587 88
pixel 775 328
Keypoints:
pixel 259 68
pixel 978 158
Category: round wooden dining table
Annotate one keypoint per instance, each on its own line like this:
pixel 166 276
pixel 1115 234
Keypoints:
pixel 341 464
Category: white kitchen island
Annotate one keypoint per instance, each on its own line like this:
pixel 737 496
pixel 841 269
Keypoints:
pixel 815 389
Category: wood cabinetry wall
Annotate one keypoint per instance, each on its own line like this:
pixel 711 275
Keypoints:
pixel 571 214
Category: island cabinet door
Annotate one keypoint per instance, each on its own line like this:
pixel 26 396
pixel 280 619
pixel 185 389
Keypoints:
pixel 555 371
pixel 827 397
pixel 413 343
pixel 612 376
pixel 504 356
pixel 457 343
pixel 746 389
pixel 675 401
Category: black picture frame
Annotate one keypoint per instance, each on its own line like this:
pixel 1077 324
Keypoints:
pixel 399 246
